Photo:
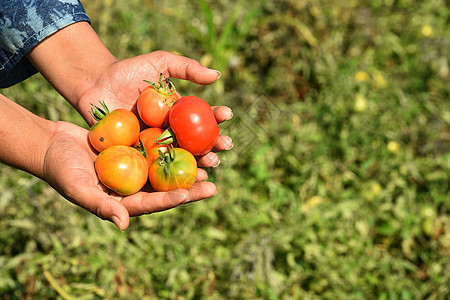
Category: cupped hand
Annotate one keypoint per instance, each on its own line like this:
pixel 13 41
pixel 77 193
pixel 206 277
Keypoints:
pixel 120 84
pixel 85 72
pixel 69 168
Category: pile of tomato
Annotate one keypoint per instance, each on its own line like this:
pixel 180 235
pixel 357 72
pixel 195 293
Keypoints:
pixel 179 128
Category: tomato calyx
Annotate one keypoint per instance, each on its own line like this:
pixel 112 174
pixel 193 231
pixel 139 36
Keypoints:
pixel 141 148
pixel 167 137
pixel 163 87
pixel 98 113
pixel 165 159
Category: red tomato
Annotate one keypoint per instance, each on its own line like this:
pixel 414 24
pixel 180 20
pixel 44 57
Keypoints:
pixel 176 169
pixel 119 127
pixel 155 101
pixel 122 169
pixel 193 123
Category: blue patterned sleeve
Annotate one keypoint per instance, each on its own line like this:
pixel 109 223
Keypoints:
pixel 25 23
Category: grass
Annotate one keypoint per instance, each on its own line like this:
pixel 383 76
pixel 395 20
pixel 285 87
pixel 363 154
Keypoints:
pixel 338 184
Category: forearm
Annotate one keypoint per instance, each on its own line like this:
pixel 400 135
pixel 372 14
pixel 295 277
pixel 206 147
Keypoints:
pixel 71 60
pixel 24 137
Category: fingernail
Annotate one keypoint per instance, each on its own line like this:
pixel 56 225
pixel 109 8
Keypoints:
pixel 217 164
pixel 227 141
pixel 218 74
pixel 117 222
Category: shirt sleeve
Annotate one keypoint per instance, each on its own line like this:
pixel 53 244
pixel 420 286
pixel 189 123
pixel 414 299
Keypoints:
pixel 23 25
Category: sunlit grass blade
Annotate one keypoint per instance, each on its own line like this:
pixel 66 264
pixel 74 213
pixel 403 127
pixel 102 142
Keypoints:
pixel 208 15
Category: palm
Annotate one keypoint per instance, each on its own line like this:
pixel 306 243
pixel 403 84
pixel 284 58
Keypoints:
pixel 70 168
pixel 119 87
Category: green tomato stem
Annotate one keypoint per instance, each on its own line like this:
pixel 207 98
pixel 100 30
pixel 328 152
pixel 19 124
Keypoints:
pixel 141 148
pixel 166 86
pixel 166 138
pixel 167 158
pixel 98 113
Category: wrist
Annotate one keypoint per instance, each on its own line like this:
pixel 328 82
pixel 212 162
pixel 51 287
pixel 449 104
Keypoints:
pixel 72 60
pixel 24 142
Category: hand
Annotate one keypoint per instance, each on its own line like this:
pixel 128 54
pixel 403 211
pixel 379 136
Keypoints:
pixel 69 168
pixel 120 84
pixel 84 71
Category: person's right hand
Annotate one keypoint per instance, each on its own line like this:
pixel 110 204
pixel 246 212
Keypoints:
pixel 69 168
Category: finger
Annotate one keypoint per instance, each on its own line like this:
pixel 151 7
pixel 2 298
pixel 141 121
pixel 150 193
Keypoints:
pixel 222 113
pixel 202 190
pixel 145 203
pixel 201 175
pixel 208 160
pixel 186 68
pixel 104 206
pixel 211 159
pixel 224 142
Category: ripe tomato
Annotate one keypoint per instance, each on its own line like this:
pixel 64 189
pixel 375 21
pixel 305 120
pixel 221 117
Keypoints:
pixel 122 169
pixel 155 101
pixel 193 123
pixel 119 127
pixel 175 169
pixel 148 137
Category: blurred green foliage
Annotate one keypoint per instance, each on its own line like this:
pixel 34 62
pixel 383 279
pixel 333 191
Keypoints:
pixel 338 184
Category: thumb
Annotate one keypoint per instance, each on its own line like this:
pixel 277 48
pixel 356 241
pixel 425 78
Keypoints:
pixel 185 68
pixel 104 206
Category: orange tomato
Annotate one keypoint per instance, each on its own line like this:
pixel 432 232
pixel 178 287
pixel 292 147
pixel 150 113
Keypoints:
pixel 119 127
pixel 155 101
pixel 122 169
pixel 148 137
pixel 177 169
